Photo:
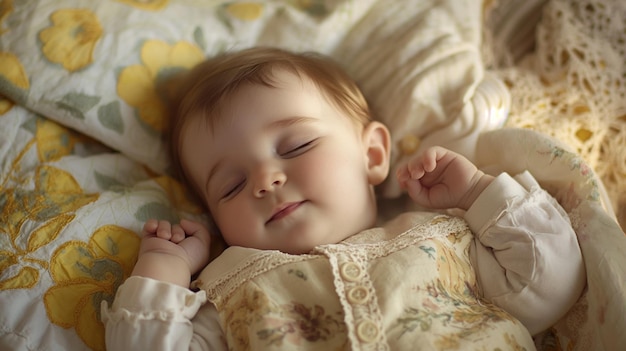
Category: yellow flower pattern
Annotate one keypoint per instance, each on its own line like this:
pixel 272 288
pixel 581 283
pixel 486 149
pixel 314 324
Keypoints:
pixel 71 39
pixel 452 298
pixel 11 72
pixel 34 216
pixel 245 11
pixel 52 202
pixel 54 141
pixel 86 274
pixel 138 84
pixel 37 203
pixel 5 105
pixel 6 7
pixel 150 5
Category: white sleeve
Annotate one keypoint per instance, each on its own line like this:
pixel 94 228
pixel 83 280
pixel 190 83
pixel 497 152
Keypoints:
pixel 148 314
pixel 527 256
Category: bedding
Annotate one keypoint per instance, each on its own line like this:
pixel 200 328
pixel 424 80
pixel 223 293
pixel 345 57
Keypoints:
pixel 83 158
pixel 572 85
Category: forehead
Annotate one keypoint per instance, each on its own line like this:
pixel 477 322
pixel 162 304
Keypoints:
pixel 285 93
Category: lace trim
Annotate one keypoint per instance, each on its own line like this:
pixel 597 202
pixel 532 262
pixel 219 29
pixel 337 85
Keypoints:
pixel 264 261
pixel 120 315
pixel 439 226
pixel 221 288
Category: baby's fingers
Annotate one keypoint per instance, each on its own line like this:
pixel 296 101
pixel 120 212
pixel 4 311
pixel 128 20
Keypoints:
pixel 178 234
pixel 150 227
pixel 164 231
pixel 197 244
pixel 195 229
pixel 416 167
pixel 430 158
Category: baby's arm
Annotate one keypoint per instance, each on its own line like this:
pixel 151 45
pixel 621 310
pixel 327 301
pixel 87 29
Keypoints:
pixel 148 314
pixel 439 178
pixel 154 309
pixel 172 253
pixel 527 256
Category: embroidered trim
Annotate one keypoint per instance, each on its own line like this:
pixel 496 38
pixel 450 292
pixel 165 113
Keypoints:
pixel 222 288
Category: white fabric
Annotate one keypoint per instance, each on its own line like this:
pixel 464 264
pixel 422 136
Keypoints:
pixel 164 312
pixel 515 275
pixel 535 270
pixel 597 321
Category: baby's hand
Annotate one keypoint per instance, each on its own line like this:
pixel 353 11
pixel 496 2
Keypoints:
pixel 439 178
pixel 188 241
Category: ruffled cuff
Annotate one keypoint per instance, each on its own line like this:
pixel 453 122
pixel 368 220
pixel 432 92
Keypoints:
pixel 492 201
pixel 152 298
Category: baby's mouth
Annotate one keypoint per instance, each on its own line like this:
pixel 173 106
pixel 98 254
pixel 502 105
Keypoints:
pixel 284 210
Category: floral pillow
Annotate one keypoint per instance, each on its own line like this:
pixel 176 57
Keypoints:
pixel 70 214
pixel 94 66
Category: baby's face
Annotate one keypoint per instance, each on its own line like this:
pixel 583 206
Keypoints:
pixel 284 169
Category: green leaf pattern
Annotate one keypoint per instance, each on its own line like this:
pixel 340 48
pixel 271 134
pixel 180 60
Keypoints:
pixel 110 117
pixel 77 104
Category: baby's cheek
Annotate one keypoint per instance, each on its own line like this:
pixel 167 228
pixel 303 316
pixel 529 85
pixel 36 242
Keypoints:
pixel 239 221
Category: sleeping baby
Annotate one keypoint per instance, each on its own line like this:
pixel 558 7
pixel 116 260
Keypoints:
pixel 283 151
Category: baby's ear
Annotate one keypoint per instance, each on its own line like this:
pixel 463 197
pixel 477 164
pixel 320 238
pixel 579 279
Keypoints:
pixel 377 141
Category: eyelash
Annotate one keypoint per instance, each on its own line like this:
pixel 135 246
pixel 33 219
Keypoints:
pixel 233 190
pixel 298 150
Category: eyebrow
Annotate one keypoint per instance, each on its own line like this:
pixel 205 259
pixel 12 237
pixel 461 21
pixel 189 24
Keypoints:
pixel 281 123
pixel 290 121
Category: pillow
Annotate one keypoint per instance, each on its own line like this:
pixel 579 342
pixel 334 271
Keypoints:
pixel 420 67
pixel 70 214
pixel 94 66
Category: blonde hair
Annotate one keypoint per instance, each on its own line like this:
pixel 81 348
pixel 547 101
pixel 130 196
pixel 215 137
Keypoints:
pixel 205 88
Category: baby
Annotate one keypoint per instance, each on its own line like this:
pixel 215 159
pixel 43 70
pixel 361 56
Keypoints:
pixel 282 150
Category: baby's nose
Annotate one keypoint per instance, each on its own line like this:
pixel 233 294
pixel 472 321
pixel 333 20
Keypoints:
pixel 269 182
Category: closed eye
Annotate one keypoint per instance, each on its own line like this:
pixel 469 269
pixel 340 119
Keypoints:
pixel 300 149
pixel 233 190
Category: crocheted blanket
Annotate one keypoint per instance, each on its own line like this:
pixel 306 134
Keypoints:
pixel 564 62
